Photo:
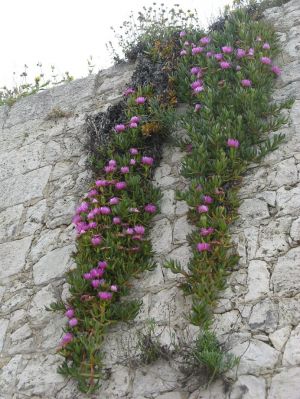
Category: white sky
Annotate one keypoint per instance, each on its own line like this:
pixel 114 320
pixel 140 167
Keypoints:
pixel 65 33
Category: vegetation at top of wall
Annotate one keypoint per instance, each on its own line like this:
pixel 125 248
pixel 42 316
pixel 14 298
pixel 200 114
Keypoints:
pixel 226 77
pixel 8 96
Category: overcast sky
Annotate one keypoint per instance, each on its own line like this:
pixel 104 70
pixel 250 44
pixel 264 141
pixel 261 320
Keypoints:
pixel 65 33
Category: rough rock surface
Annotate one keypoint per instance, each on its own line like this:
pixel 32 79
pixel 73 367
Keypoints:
pixel 43 173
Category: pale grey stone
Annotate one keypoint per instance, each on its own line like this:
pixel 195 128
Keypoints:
pixel 182 208
pixel 279 337
pixel 287 201
pixel 177 155
pixel 295 230
pixel 291 355
pixel 9 220
pixel 47 241
pixel 119 383
pixel 286 384
pixel 251 236
pixel 21 160
pixel 167 203
pixel 42 299
pixel 256 357
pixel 3 329
pixel 35 217
pixel 61 212
pixel 268 196
pixel 286 274
pixel 182 228
pixel 225 323
pixel 154 379
pixel 52 332
pixel 40 376
pixel 9 372
pixel 182 255
pixel 253 210
pixel 258 280
pixel 264 316
pixel 167 304
pixel 173 395
pixel 284 174
pixel 24 187
pixel 161 236
pixel 13 256
pixel 163 170
pixel 216 390
pixel 54 264
pixel 22 332
pixel 272 238
pixel 248 387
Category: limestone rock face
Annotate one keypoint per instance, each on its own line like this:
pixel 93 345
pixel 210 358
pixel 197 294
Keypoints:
pixel 43 174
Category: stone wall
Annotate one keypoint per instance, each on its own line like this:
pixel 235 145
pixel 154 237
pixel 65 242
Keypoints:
pixel 43 173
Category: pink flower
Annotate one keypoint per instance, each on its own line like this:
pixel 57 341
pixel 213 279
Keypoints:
pixel 109 169
pixel 240 53
pixel 132 162
pixel 197 107
pixel 101 183
pixel 87 276
pixel 265 60
pixel 73 322
pixel 197 50
pixel 121 185
pixel 206 231
pixel 106 296
pixel 83 207
pixel 227 49
pixel 135 119
pixel 120 128
pixel 95 273
pixel 96 240
pixel 209 54
pixel 224 65
pixel 196 83
pixel 203 246
pixel 139 229
pixel 205 40
pixel 218 56
pixel 113 288
pixel 207 199
pixel 116 220
pixel 202 208
pixel 198 89
pixel 68 337
pixel 112 162
pixel 134 151
pixel 128 91
pixel 183 52
pixel 275 69
pixel 147 160
pixel 140 100
pixel 150 208
pixel 233 143
pixel 133 125
pixel 129 231
pixel 266 46
pixel 92 192
pixel 251 52
pixel 195 70
pixel 105 210
pixel 114 201
pixel 76 219
pixel 182 34
pixel 246 83
pixel 92 225
pixel 95 283
pixel 102 264
pixel 70 313
pixel 124 169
